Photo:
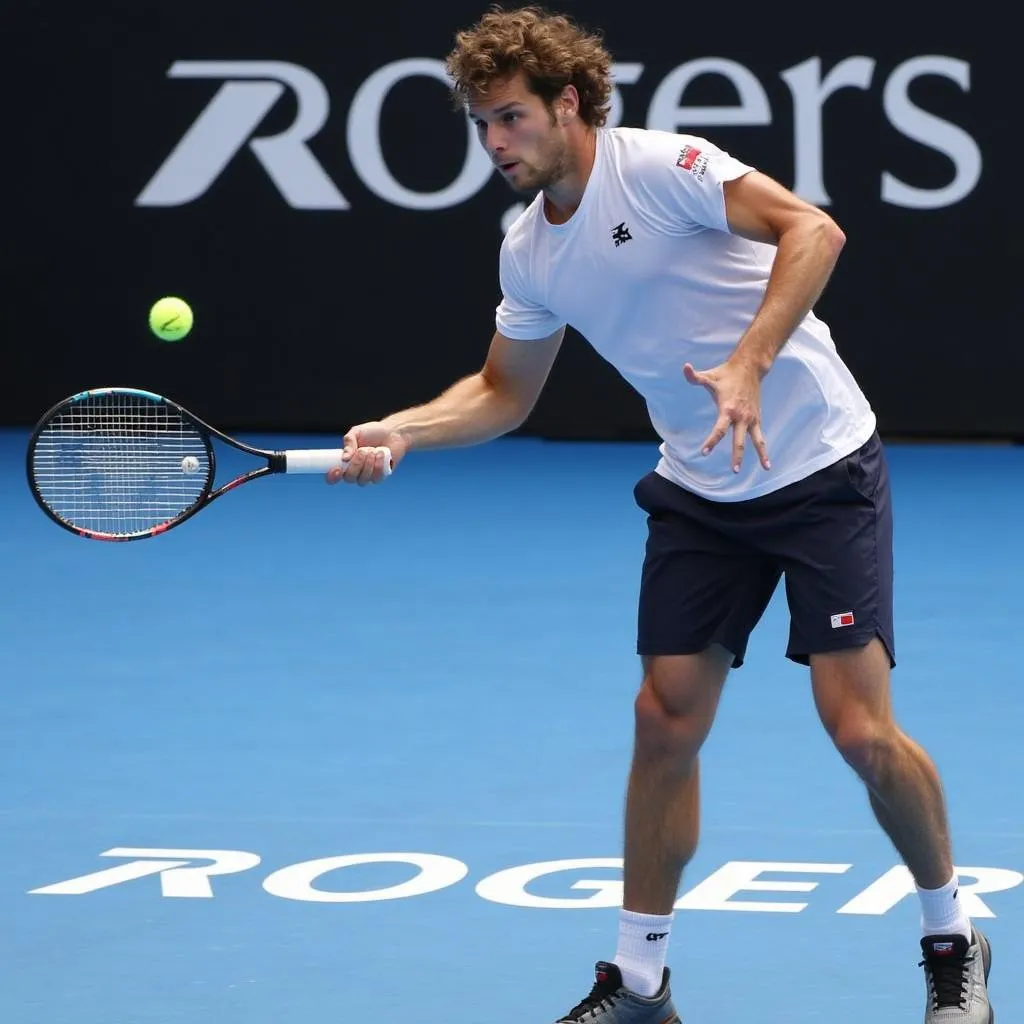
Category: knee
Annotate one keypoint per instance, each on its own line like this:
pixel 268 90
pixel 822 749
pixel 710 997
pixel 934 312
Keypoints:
pixel 867 744
pixel 673 716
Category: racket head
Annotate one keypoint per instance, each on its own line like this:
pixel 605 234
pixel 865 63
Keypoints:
pixel 109 464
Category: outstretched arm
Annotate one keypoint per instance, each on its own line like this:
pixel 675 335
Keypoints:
pixel 478 408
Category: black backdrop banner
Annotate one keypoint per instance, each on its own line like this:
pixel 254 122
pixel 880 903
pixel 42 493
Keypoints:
pixel 297 173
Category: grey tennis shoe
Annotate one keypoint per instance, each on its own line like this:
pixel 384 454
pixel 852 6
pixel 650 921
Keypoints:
pixel 956 975
pixel 610 1003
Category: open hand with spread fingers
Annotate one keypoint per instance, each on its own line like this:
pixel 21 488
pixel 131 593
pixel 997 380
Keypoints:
pixel 736 389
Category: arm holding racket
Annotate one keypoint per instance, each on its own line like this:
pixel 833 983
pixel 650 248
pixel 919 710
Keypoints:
pixel 123 463
pixel 478 408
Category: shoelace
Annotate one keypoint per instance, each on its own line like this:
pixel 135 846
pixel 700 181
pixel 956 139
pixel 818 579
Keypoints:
pixel 600 997
pixel 949 978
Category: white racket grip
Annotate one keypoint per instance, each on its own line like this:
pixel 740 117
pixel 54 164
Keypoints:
pixel 320 460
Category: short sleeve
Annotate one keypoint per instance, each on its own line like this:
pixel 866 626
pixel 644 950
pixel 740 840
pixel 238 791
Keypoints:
pixel 519 315
pixel 684 178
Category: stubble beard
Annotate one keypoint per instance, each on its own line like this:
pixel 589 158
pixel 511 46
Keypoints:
pixel 554 167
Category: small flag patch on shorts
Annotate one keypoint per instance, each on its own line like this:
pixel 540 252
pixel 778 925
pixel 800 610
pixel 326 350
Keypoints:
pixel 842 619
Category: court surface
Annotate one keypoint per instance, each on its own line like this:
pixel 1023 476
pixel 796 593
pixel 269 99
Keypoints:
pixel 397 721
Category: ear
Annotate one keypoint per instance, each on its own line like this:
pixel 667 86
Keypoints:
pixel 567 105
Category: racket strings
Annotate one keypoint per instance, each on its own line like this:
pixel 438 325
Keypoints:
pixel 115 464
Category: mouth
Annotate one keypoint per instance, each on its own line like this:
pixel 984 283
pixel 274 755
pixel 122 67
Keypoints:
pixel 508 167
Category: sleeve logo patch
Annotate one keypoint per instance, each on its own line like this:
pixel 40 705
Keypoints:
pixel 693 160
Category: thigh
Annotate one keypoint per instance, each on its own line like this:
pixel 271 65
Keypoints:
pixel 698 586
pixel 837 559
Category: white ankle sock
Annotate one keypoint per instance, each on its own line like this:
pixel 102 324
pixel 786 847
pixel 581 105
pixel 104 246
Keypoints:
pixel 642 950
pixel 942 911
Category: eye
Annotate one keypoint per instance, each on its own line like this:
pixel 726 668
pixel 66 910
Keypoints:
pixel 510 117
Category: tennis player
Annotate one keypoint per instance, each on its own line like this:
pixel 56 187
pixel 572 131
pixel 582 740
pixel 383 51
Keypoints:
pixel 696 276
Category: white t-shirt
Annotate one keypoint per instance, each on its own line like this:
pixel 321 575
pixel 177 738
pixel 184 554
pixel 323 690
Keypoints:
pixel 647 271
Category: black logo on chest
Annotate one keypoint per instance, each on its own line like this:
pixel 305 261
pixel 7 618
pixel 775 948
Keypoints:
pixel 620 234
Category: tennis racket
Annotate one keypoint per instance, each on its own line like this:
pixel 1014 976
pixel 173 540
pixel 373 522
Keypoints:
pixel 123 464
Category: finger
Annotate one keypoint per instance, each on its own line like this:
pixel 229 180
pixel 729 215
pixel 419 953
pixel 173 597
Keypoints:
pixel 350 467
pixel 386 464
pixel 696 376
pixel 718 432
pixel 761 445
pixel 739 438
pixel 369 461
pixel 334 474
pixel 349 444
pixel 375 461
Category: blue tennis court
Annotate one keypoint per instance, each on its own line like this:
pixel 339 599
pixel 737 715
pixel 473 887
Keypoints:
pixel 342 755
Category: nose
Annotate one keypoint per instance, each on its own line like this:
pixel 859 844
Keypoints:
pixel 495 139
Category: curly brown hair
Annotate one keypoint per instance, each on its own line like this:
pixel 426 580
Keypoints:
pixel 550 49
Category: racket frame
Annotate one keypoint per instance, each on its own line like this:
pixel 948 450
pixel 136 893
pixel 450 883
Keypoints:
pixel 275 462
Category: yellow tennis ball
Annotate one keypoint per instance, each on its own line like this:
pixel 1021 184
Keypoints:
pixel 170 318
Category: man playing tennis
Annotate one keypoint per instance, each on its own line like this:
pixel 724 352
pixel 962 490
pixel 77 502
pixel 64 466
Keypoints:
pixel 696 275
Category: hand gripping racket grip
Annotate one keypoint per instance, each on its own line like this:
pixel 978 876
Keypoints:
pixel 320 460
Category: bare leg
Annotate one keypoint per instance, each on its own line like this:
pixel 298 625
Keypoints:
pixel 851 691
pixel 675 709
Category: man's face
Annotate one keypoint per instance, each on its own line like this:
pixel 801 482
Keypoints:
pixel 520 134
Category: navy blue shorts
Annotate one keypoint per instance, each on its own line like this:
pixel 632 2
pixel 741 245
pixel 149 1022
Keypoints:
pixel 711 567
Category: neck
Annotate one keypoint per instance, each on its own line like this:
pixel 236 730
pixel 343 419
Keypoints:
pixel 562 199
